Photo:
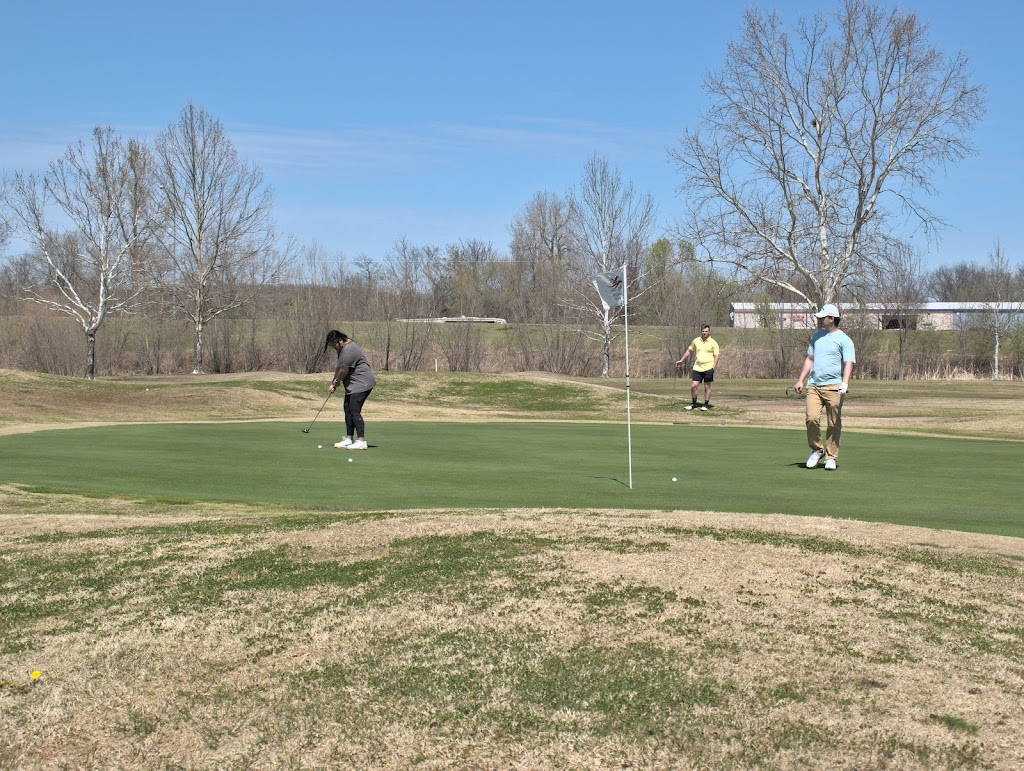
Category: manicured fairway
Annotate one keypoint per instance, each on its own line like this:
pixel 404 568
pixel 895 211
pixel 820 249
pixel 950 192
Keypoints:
pixel 944 483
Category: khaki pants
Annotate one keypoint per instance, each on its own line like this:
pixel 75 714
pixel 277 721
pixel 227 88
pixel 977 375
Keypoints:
pixel 829 399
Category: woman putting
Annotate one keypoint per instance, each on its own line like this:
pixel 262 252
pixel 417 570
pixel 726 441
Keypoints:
pixel 354 372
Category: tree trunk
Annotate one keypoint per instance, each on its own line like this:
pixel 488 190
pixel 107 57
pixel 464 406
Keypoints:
pixel 90 355
pixel 995 361
pixel 606 349
pixel 197 362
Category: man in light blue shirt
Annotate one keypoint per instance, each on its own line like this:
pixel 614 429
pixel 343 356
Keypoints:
pixel 830 360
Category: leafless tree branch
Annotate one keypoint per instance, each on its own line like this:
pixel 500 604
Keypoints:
pixel 820 142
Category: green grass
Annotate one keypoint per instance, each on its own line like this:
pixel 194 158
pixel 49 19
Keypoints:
pixel 521 395
pixel 940 483
pixel 955 723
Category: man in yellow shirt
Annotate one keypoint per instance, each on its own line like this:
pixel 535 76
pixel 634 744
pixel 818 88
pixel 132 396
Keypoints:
pixel 704 362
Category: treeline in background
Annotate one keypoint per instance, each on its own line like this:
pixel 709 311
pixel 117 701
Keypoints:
pixel 283 325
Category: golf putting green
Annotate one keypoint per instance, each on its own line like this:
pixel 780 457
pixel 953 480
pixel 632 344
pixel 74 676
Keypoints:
pixel 942 483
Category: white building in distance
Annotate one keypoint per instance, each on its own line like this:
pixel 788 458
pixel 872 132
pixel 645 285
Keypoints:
pixel 947 316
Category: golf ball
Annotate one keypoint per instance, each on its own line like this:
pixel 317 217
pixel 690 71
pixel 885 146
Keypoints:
pixel 349 460
pixel 674 479
pixel 319 446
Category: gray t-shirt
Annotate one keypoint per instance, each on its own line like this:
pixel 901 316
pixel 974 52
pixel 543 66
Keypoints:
pixel 360 377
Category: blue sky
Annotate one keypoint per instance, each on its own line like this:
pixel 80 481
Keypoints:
pixel 438 121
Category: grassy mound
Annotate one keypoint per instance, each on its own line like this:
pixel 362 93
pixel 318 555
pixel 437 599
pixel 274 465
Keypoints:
pixel 217 636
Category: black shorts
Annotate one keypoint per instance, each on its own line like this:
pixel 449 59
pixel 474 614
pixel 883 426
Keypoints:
pixel 708 376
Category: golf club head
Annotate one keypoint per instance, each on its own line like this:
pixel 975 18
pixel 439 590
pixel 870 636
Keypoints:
pixel 305 430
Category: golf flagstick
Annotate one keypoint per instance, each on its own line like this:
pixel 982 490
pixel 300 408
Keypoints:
pixel 629 426
pixel 611 286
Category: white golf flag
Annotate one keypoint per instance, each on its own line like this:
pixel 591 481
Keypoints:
pixel 612 287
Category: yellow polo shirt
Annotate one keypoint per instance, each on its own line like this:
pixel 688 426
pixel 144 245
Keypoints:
pixel 705 352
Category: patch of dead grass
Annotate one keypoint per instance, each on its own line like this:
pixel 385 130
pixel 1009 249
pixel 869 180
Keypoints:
pixel 826 643
pixel 34 402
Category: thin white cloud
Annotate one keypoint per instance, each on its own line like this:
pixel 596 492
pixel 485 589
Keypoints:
pixel 533 132
pixel 366 147
pixel 374 229
pixel 33 148
pixel 355 148
pixel 428 145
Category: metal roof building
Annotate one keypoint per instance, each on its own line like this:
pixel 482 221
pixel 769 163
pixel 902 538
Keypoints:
pixel 932 315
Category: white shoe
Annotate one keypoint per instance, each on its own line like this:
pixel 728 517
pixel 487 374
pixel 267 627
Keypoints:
pixel 346 442
pixel 830 464
pixel 815 458
pixel 704 408
pixel 690 406
pixel 359 444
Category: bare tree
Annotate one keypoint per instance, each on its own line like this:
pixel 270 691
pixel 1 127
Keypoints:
pixel 405 292
pixel 218 241
pixel 1004 305
pixel 897 285
pixel 102 191
pixel 541 249
pixel 311 308
pixel 6 227
pixel 10 288
pixel 816 140
pixel 473 279
pixel 15 274
pixel 961 282
pixel 406 276
pixel 611 227
pixel 679 295
pixel 542 276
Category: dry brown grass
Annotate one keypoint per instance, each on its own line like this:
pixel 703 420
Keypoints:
pixel 178 636
pixel 37 402
pixel 978 409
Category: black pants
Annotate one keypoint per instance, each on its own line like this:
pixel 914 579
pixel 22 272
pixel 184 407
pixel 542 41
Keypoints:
pixel 354 414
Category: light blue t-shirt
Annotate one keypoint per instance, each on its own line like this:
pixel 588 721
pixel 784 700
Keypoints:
pixel 830 351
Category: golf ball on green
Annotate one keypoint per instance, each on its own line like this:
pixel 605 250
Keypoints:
pixel 674 479
pixel 319 446
pixel 349 460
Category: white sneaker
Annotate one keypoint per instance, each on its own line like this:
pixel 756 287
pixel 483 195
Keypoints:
pixel 704 408
pixel 346 442
pixel 830 464
pixel 690 406
pixel 359 444
pixel 815 458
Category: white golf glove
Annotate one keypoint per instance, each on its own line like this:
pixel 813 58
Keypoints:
pixel 844 387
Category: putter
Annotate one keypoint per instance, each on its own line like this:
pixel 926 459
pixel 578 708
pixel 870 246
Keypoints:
pixel 306 429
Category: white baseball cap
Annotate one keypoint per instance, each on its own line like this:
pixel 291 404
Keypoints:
pixel 828 310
